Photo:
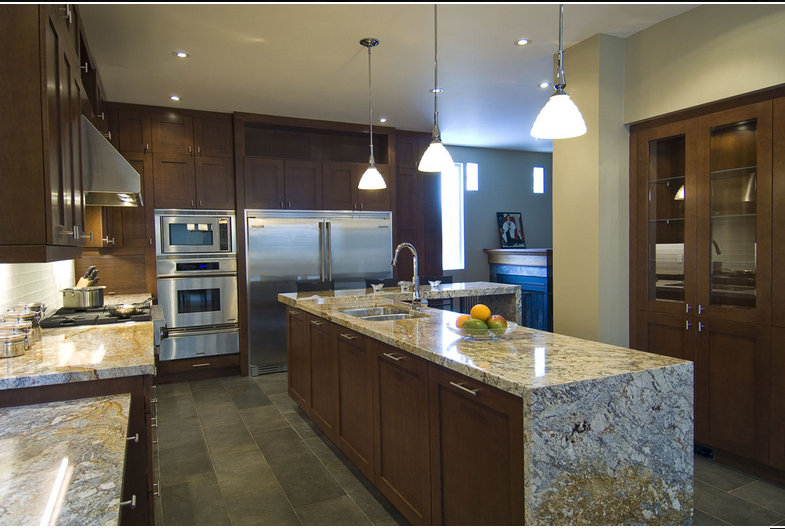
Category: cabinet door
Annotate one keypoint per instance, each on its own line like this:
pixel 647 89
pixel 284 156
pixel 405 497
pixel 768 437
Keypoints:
pixel 134 133
pixel 99 227
pixel 298 357
pixel 73 137
pixel 173 181
pixel 734 214
pixel 214 137
pixel 339 185
pixel 733 387
pixel 172 134
pixel 667 334
pixel 374 199
pixel 135 226
pixel 476 452
pixel 666 226
pixel 402 437
pixel 355 395
pixel 778 228
pixel 214 182
pixel 324 376
pixel 778 397
pixel 303 184
pixel 264 183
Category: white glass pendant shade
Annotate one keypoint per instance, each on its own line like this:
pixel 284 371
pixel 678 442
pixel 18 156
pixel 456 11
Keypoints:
pixel 436 159
pixel 559 119
pixel 372 179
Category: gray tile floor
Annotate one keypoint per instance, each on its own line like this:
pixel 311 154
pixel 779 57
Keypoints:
pixel 238 451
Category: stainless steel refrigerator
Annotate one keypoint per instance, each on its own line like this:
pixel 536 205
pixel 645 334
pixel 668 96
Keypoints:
pixel 283 247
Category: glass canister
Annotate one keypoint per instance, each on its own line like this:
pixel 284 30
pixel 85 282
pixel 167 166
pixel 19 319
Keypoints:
pixel 19 316
pixel 12 345
pixel 25 328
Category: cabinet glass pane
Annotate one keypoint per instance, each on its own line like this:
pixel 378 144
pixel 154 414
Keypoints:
pixel 733 206
pixel 666 192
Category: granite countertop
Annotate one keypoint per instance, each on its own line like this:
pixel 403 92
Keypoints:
pixel 62 463
pixel 445 290
pixel 516 363
pixel 76 354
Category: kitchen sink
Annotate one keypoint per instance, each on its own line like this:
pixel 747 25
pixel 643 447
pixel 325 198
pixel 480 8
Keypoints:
pixel 382 313
pixel 388 317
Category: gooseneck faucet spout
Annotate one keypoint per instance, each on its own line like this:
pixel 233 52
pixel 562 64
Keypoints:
pixel 416 300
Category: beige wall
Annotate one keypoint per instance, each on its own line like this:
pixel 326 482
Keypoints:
pixel 709 53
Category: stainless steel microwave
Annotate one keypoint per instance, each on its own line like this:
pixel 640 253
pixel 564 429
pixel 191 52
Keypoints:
pixel 187 232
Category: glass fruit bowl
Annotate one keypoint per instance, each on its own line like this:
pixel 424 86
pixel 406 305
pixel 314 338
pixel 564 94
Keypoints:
pixel 483 334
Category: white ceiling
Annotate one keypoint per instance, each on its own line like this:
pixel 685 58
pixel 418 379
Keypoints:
pixel 305 61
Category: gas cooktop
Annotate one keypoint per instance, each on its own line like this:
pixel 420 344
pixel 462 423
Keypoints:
pixel 98 316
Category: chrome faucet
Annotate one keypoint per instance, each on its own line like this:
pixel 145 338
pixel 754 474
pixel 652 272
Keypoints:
pixel 417 301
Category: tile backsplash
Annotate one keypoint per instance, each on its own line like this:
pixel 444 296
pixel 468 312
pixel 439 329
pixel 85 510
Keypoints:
pixel 35 282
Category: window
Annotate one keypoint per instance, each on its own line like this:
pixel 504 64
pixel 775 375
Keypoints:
pixel 539 180
pixel 452 218
pixel 472 176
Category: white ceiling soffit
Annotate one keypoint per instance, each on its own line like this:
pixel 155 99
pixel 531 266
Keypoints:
pixel 305 60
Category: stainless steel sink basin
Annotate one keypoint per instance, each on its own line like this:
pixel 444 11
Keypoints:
pixel 388 317
pixel 374 311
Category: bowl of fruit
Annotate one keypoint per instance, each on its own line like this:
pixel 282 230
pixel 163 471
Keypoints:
pixel 480 324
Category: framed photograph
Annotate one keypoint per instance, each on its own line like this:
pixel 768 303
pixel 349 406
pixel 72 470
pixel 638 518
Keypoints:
pixel 511 230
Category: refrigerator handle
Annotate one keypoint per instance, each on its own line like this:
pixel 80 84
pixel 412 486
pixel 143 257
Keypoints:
pixel 321 251
pixel 328 225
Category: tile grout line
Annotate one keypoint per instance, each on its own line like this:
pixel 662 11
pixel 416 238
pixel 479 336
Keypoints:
pixel 738 498
pixel 709 514
pixel 743 486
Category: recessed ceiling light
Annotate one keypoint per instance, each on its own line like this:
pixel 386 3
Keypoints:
pixel 382 120
pixel 522 42
pixel 180 54
pixel 545 85
pixel 174 97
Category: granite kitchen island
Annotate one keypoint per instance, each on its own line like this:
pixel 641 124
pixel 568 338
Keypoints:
pixel 606 433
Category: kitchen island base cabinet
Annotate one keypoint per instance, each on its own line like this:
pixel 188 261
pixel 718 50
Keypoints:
pixel 298 353
pixel 324 376
pixel 476 452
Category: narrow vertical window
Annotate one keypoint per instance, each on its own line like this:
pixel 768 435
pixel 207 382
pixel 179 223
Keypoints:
pixel 472 176
pixel 452 219
pixel 539 180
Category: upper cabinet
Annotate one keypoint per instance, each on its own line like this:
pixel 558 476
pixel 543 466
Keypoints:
pixel 178 134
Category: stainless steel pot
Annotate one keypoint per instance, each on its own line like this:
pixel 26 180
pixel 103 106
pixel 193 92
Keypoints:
pixel 83 298
pixel 22 316
pixel 24 328
pixel 12 345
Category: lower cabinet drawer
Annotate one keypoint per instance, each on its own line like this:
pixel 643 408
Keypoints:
pixel 196 364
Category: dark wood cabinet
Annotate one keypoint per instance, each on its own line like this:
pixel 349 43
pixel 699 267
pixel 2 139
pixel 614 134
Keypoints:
pixel 777 448
pixel 173 181
pixel 298 357
pixel 214 137
pixel 99 226
pixel 302 184
pixel 214 182
pixel 355 396
pixel 778 213
pixel 172 133
pixel 264 183
pixel 667 334
pixel 134 132
pixel 134 227
pixel 401 431
pixel 733 388
pixel 324 376
pixel 340 191
pixel 476 452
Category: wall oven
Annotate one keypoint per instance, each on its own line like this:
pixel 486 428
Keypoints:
pixel 183 232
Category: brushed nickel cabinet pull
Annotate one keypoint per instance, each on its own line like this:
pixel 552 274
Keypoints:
pixel 700 309
pixel 85 67
pixel 102 116
pixel 688 308
pixel 106 240
pixel 190 151
pixel 688 324
pixel 130 503
pixel 201 365
pixel 68 14
pixel 317 323
pixel 200 203
pixel 700 327
pixel 157 489
pixel 294 313
pixel 108 135
pixel 467 390
pixel 146 147
pixel 348 336
pixel 396 358
pixel 289 204
pixel 135 438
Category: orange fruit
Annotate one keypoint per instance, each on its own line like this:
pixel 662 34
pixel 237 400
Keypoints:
pixel 480 312
pixel 462 318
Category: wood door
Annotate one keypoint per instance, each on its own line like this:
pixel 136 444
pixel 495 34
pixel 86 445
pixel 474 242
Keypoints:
pixel 476 452
pixel 734 214
pixel 173 181
pixel 133 132
pixel 303 184
pixel 355 401
pixel 733 387
pixel 214 182
pixel 264 183
pixel 778 207
pixel 73 138
pixel 135 226
pixel 298 357
pixel 401 433
pixel 777 397
pixel 172 134
pixel 667 334
pixel 339 185
pixel 374 199
pixel 324 376
pixel 664 211
pixel 214 137
pixel 99 227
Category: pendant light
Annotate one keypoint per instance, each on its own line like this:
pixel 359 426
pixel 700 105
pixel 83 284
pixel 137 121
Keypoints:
pixel 560 118
pixel 372 178
pixel 436 158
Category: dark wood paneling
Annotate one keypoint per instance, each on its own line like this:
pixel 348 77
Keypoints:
pixel 214 137
pixel 401 431
pixel 778 209
pixel 264 183
pixel 298 356
pixel 476 452
pixel 324 376
pixel 355 396
pixel 778 397
pixel 121 273
pixel 173 133
pixel 173 181
pixel 197 368
pixel 214 182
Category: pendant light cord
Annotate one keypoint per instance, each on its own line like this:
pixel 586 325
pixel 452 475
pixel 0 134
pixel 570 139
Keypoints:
pixel 561 81
pixel 370 108
pixel 437 135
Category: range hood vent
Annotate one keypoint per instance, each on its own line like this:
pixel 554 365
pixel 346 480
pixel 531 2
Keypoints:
pixel 109 180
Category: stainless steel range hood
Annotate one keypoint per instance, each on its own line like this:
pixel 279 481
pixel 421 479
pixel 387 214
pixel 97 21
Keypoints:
pixel 109 180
